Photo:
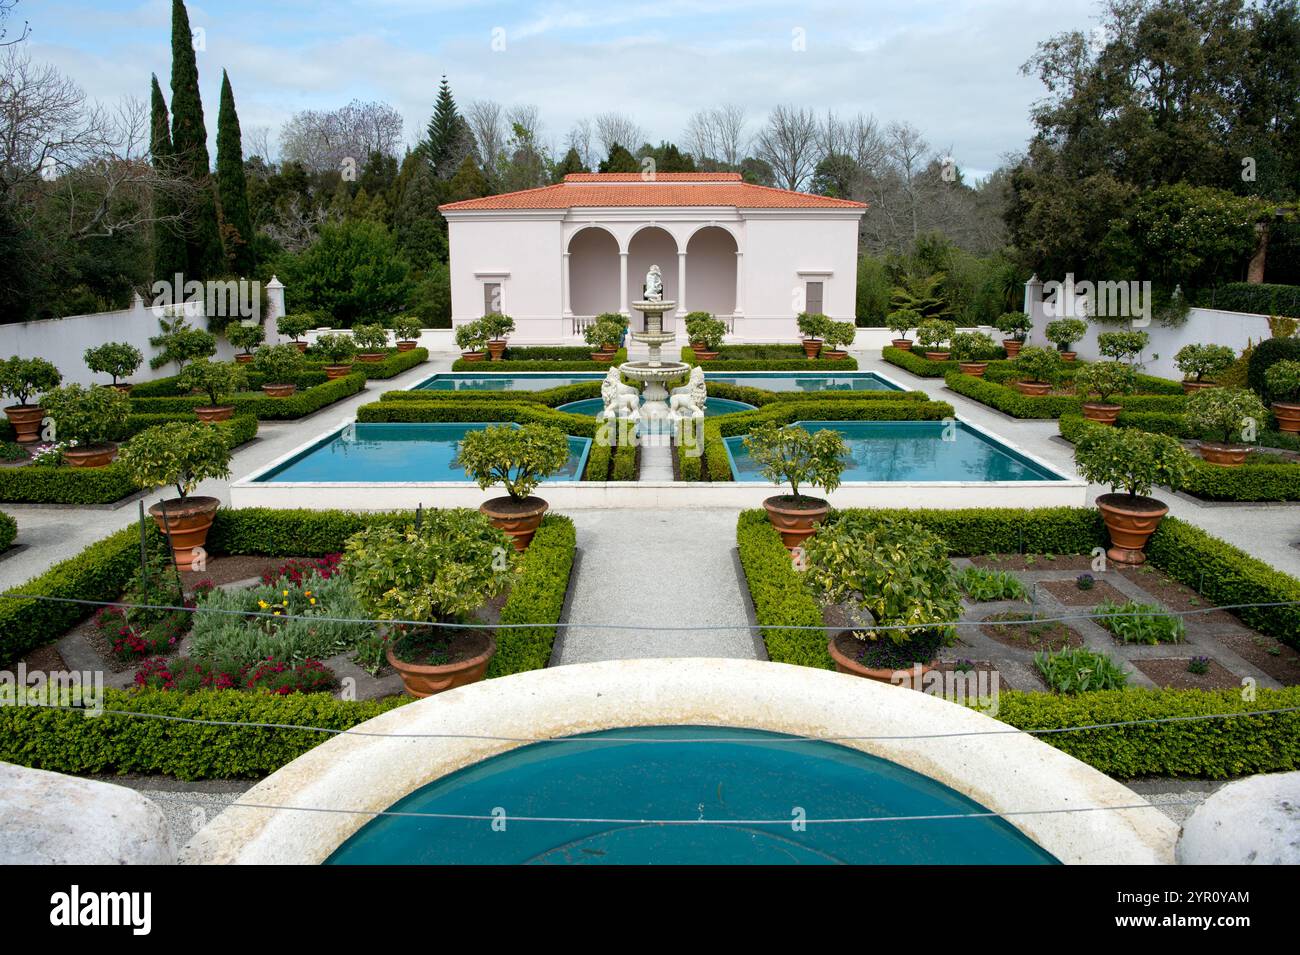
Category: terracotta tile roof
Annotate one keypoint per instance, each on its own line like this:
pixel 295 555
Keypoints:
pixel 581 190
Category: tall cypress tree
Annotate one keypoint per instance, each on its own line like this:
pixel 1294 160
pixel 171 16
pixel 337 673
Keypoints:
pixel 168 243
pixel 204 254
pixel 444 136
pixel 232 187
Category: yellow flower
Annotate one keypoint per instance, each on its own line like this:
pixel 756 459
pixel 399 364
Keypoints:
pixel 285 593
pixel 313 600
pixel 263 604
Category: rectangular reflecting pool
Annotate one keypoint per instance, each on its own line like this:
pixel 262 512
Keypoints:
pixel 912 451
pixel 382 453
pixel 503 381
pixel 808 381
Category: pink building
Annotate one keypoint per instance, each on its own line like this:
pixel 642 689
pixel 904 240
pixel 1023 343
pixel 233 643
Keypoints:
pixel 554 257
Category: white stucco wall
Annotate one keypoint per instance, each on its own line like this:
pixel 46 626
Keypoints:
pixel 522 252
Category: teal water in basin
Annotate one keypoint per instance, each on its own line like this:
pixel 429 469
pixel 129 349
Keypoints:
pixel 499 381
pixel 768 380
pixel 383 452
pixel 911 451
pixel 712 406
pixel 737 774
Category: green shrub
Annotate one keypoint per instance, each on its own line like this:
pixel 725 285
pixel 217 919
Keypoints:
pixel 472 336
pixel 1105 379
pixel 1264 356
pixel 838 334
pixel 118 359
pixel 218 380
pixel 934 333
pixel 407 328
pixel 1134 622
pixel 813 325
pixel 497 325
pixel 1064 332
pixel 1253 298
pixel 178 454
pixel 1039 364
pixel 1122 346
pixel 973 346
pixel 278 363
pixel 1080 670
pixel 1282 381
pixel 295 324
pixel 791 455
pixel 781 602
pixel 1229 415
pixel 93 415
pixel 245 337
pixel 370 338
pixel 264 407
pixel 1015 325
pixel 23 377
pixel 986 585
pixel 625 468
pixel 903 320
pixel 1130 461
pixel 8 531
pixel 336 349
pixel 1204 362
pixel 1009 401
pixel 390 366
pixel 179 343
pixel 536 597
pixel 516 458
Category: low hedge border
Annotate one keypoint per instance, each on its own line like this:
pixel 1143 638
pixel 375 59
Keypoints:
pixel 1246 483
pixel 796 362
pixel 551 397
pixel 923 367
pixel 544 364
pixel 625 461
pixel 779 596
pixel 106 485
pixel 391 366
pixel 263 407
pixel 473 410
pixel 8 531
pixel 1012 402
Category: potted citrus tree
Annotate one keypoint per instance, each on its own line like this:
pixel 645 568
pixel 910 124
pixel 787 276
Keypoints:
pixel 1226 420
pixel 1282 382
pixel 900 323
pixel 498 327
pixel 971 350
pixel 839 335
pixel 471 339
pixel 1064 332
pixel 1132 462
pixel 1122 346
pixel 794 456
pixel 21 378
pixel 604 336
pixel 180 455
pixel 1039 368
pixel 705 333
pixel 517 458
pixel 338 351
pixel 278 364
pixel 932 335
pixel 1105 379
pixel 88 419
pixel 895 580
pixel 118 359
pixel 1202 365
pixel 812 326
pixel 294 325
pixel 245 338
pixel 218 380
pixel 371 341
pixel 407 329
pixel 1016 326
pixel 437 575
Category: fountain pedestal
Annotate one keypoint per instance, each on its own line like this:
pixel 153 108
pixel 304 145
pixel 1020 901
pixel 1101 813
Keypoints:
pixel 654 373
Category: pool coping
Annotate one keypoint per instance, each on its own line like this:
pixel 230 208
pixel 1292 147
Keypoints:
pixel 1002 769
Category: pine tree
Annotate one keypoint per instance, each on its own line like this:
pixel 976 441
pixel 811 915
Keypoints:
pixel 571 162
pixel 204 255
pixel 468 183
pixel 168 243
pixel 620 160
pixel 444 138
pixel 232 187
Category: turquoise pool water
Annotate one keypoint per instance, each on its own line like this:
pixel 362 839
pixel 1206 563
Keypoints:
pixel 911 451
pixel 396 452
pixel 501 381
pixel 768 380
pixel 712 407
pixel 737 774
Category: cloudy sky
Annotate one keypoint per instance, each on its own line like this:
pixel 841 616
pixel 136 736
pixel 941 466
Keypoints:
pixel 950 67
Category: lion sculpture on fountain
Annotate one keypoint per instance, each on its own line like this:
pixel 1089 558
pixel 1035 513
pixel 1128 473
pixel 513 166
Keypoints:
pixel 621 401
pixel 688 400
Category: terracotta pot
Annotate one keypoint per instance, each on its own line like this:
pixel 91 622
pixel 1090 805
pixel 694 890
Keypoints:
pixel 26 420
pixel 301 346
pixel 834 354
pixel 1193 386
pixel 473 355
pixel 188 520
pixel 337 371
pixel 1012 346
pixel 1101 413
pixel 604 357
pixel 938 355
pixel 902 344
pixel 90 455
pixel 703 353
pixel 212 413
pixel 1130 521
pixel 279 391
pixel 421 681
pixel 847 664
pixel 244 359
pixel 812 347
pixel 975 369
pixel 1033 388
pixel 1069 355
pixel 519 519
pixel 1227 455
pixel 407 346
pixel 122 386
pixel 1287 414
pixel 609 347
pixel 371 356
pixel 497 348
pixel 795 524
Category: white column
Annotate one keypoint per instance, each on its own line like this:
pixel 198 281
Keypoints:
pixel 566 293
pixel 681 284
pixel 622 284
pixel 740 284
pixel 274 307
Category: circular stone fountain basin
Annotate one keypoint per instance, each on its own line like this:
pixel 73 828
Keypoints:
pixel 712 407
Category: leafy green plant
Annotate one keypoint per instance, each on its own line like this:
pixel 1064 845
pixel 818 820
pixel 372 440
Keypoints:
pixel 1133 622
pixel 178 454
pixel 934 332
pixel 1131 460
pixel 891 573
pixel 602 334
pixel 1282 381
pixel 472 336
pixel 245 337
pixel 705 330
pixel 1198 665
pixel 1039 364
pixel 1105 379
pixel 86 415
pixel 984 585
pixel 407 328
pixel 218 380
pixel 336 349
pixel 1228 415
pixel 921 294
pixel 903 321
pixel 1080 670
pixel 973 346
pixel 295 324
pixel 180 343
pixel 118 359
pixel 497 325
pixel 838 334
pixel 1014 325
pixel 1122 346
pixel 278 364
pixel 24 377
pixel 1064 332
pixel 791 455
pixel 813 325
pixel 1204 362
pixel 517 458
pixel 370 338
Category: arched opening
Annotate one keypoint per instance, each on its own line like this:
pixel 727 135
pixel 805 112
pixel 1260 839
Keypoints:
pixel 711 271
pixel 651 246
pixel 593 272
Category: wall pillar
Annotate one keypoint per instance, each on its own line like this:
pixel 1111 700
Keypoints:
pixel 739 308
pixel 622 285
pixel 566 286
pixel 681 284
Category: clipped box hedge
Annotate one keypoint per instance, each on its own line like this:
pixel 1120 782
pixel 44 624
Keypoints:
pixel 767 358
pixel 541 364
pixel 551 397
pixel 303 402
pixel 471 410
pixel 8 531
pixel 922 367
pixel 1010 401
pixel 393 364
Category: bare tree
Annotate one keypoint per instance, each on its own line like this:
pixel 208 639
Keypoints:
pixel 618 128
pixel 6 7
pixel 788 143
pixel 579 139
pixel 257 142
pixel 323 139
pixel 718 134
pixel 297 223
pixel 487 123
